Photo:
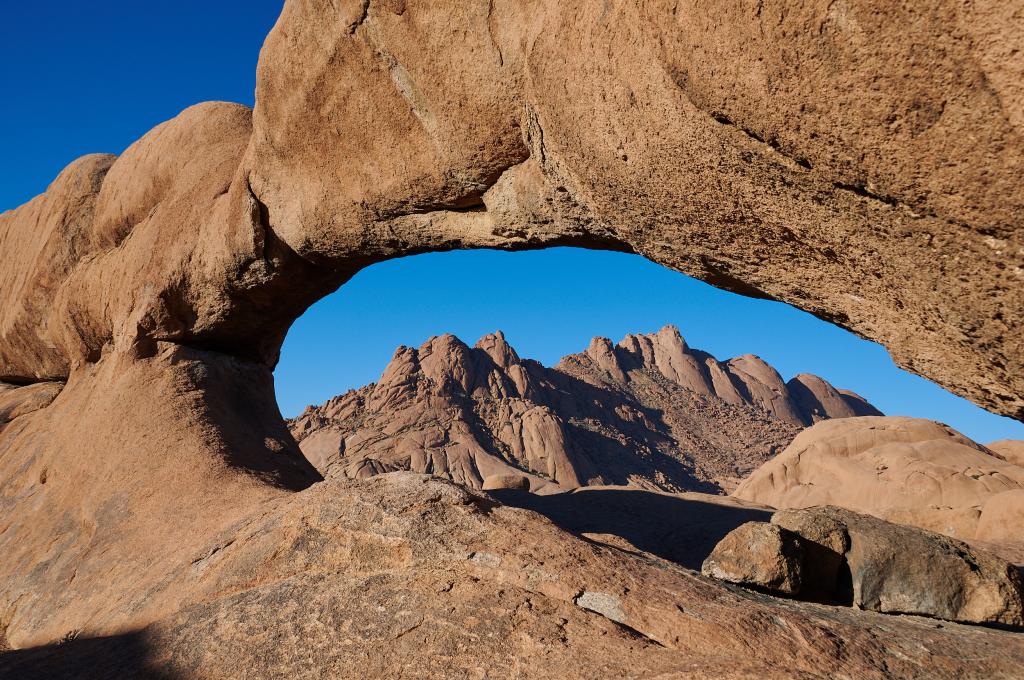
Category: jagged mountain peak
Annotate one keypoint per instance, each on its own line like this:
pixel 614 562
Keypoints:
pixel 648 411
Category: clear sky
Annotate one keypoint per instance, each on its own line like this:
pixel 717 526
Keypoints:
pixel 87 77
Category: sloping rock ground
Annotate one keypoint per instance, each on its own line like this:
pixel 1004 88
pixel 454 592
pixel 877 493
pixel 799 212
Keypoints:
pixel 404 575
pixel 649 411
pixel 873 182
pixel 906 470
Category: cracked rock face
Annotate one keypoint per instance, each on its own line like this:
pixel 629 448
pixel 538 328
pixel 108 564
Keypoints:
pixel 904 570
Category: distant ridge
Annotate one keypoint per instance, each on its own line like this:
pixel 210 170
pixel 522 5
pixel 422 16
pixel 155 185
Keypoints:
pixel 649 411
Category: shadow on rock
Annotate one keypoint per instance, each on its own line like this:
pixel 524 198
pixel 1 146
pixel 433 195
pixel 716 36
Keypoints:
pixel 682 528
pixel 123 657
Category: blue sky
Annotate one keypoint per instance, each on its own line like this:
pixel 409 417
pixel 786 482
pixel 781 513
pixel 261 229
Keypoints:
pixel 86 77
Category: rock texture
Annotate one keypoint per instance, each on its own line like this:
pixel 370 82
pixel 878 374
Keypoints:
pixel 17 400
pixel 884 200
pixel 403 575
pixel 1012 450
pixel 758 554
pixel 906 470
pixel 892 568
pixel 858 159
pixel 649 411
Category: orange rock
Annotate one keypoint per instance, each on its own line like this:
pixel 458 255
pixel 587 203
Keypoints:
pixel 647 411
pixel 906 470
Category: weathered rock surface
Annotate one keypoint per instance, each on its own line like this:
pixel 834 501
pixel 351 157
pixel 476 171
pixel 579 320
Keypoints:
pixel 1010 449
pixel 506 482
pixel 758 554
pixel 649 411
pixel 1002 519
pixel 859 160
pixel 897 569
pixel 906 470
pixel 885 200
pixel 876 187
pixel 18 400
pixel 406 575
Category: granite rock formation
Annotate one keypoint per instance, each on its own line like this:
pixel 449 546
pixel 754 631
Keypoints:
pixel 649 411
pixel 404 575
pixel 1011 450
pixel 759 555
pixel 894 568
pixel 866 562
pixel 857 159
pixel 906 470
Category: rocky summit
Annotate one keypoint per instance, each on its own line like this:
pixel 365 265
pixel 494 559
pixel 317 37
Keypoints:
pixel 650 411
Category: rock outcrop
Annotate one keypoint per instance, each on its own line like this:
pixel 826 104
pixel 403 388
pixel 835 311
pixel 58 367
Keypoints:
pixel 1011 450
pixel 648 411
pixel 760 555
pixel 906 470
pixel 827 554
pixel 20 400
pixel 873 181
pixel 898 569
pixel 404 575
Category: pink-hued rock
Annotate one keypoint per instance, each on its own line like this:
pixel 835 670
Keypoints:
pixel 1010 449
pixel 647 411
pixel 906 470
pixel 16 401
pixel 1002 519
pixel 874 181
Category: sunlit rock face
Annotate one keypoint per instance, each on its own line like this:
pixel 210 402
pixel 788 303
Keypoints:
pixel 907 470
pixel 649 411
pixel 856 159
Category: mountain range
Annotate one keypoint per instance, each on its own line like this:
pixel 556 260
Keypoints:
pixel 650 412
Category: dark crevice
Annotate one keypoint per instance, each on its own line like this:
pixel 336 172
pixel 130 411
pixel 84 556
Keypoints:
pixel 363 13
pixel 771 142
pixel 471 205
pixel 858 189
pixel 863 191
pixel 24 381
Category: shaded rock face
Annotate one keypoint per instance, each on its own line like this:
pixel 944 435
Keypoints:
pixel 906 470
pixel 649 411
pixel 897 569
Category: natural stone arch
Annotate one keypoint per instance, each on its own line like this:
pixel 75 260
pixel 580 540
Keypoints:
pixel 383 129
pixel 870 185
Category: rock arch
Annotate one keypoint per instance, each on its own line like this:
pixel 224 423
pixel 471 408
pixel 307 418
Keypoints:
pixel 818 156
